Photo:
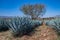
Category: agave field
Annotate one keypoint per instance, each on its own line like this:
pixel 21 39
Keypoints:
pixel 20 26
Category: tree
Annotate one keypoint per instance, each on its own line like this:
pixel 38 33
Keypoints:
pixel 33 10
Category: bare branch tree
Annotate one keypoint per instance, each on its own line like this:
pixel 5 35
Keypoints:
pixel 33 10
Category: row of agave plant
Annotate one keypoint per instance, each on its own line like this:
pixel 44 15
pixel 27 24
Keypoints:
pixel 20 26
pixel 55 24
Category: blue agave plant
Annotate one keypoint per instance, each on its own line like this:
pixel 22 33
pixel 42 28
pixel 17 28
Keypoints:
pixel 3 27
pixel 22 25
pixel 55 24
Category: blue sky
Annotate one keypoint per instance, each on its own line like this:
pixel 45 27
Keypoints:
pixel 11 7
